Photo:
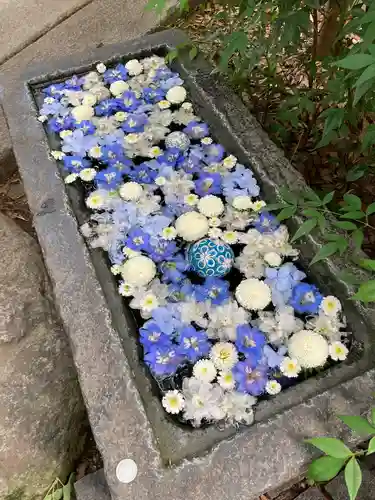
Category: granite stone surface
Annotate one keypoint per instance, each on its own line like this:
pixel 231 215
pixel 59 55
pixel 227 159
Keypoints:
pixel 250 461
pixel 311 494
pixel 337 488
pixel 7 161
pixel 92 487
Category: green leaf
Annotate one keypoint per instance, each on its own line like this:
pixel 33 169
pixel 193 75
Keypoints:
pixel 353 201
pixel 304 229
pixel 345 224
pixel 311 212
pixel 235 42
pixel 368 73
pixel 67 491
pixel 373 416
pixel 349 278
pixel 331 446
pixel 353 215
pixel 325 251
pixel 369 137
pixel 356 61
pixel 157 5
pixel 286 213
pixel 57 494
pixel 325 468
pixel 358 237
pixel 367 264
pixel 362 90
pixel 353 478
pixel 358 424
pixel 193 52
pixel 366 292
pixel 371 446
pixel 334 118
pixel 370 209
pixel 356 173
pixel 275 206
pixel 328 197
pixel 172 55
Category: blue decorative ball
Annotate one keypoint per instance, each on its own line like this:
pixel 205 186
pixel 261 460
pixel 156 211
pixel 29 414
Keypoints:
pixel 209 257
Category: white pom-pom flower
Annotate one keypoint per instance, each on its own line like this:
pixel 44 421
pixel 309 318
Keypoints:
pixel 330 305
pixel 338 351
pixel 138 271
pixel 309 348
pixel 290 367
pixel 230 162
pixel 176 95
pixel 169 233
pixel 101 68
pixel 253 294
pixel 273 387
pixel 89 99
pixel 273 259
pixel 81 113
pixel 131 191
pixel 87 174
pixel 119 87
pixel 204 370
pixel 70 178
pixel 134 67
pixel 230 237
pixel 211 206
pixel 226 380
pixel 224 355
pixel 192 226
pixel 95 200
pixel 173 402
pixel 258 205
pixel 191 199
pixel 242 202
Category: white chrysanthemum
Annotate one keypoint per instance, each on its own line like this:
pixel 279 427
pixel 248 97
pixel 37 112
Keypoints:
pixel 70 178
pixel 101 68
pixel 329 326
pixel 226 380
pixel 57 155
pixel 95 152
pixel 230 162
pixel 89 99
pixel 290 367
pixel 191 199
pixel 132 138
pixel 224 355
pixel 204 370
pixel 187 105
pixel 215 233
pixel 176 95
pixel 116 269
pixel 258 205
pixel 211 206
pixel 126 289
pixel 119 87
pixel 164 104
pixel 206 141
pixel 230 237
pixel 238 407
pixel 42 118
pixel 130 191
pixel 330 305
pixel 273 259
pixel 224 320
pixel 86 230
pixel 81 113
pixel 273 387
pixel 338 351
pixel 130 253
pixel 87 174
pixel 202 401
pixel 242 202
pixel 134 67
pixel 309 348
pixel 95 200
pixel 149 302
pixel 169 233
pixel 173 402
pixel 121 116
pixel 192 226
pixel 253 294
pixel 160 181
pixel 138 271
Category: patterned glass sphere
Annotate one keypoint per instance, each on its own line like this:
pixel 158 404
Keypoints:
pixel 177 140
pixel 209 257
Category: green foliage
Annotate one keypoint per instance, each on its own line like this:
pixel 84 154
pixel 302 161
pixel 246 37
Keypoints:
pixel 353 477
pixel 61 491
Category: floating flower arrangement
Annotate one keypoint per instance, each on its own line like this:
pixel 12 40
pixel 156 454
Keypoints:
pixel 225 314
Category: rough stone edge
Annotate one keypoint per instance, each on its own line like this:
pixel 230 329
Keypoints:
pixel 115 411
pixel 92 487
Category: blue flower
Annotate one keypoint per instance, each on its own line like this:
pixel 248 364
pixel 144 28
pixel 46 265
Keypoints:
pixel 53 108
pixel 266 223
pixel 169 157
pixel 134 123
pixel 172 270
pixel 179 292
pixel 115 74
pixel 74 83
pixel 55 90
pixel 128 101
pixel 271 358
pixel 151 334
pixel 106 107
pixel 214 153
pixel 60 123
pixel 163 73
pixel 137 240
pixel 282 280
pixel 163 360
pixel 208 183
pixel 142 174
pixel 160 249
pixel 152 96
pixel 155 224
pixel 214 289
pixel 193 344
pixel 250 341
pixel 196 130
pixel 78 143
pixel 167 318
pixel 306 299
pixel 174 81
pixel 74 163
pixel 109 178
pixel 250 377
pixel 86 126
pixel 240 182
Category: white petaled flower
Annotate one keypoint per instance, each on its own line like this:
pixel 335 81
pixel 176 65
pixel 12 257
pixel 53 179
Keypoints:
pixel 258 205
pixel 176 95
pixel 115 269
pixel 273 387
pixel 131 191
pixel 164 104
pixel 230 162
pixel 70 178
pixel 273 259
pixel 215 233
pixel 192 226
pixel 211 206
pixel 89 99
pixel 87 174
pixel 253 294
pixel 187 105
pixel 95 200
pixel 191 199
pixel 149 302
pixel 95 152
pixel 101 68
pixel 204 370
pixel 81 113
pixel 130 253
pixel 132 138
pixel 214 222
pixel 119 87
pixel 42 118
pixel 173 402
pixel 121 116
pixel 202 401
pixel 206 141
pixel 338 351
pixel 65 133
pixel 330 305
pixel 57 155
pixel 86 230
pixel 126 289
pixel 138 271
pixel 230 237
pixel 224 355
pixel 309 348
pixel 134 67
pixel 290 367
pixel 238 407
pixel 242 202
pixel 160 181
pixel 226 380
pixel 169 233
pixel 155 151
pixel 329 326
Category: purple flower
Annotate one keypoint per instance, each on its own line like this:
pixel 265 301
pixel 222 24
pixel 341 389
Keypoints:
pixel 163 360
pixel 282 280
pixel 214 153
pixel 208 183
pixel 250 378
pixel 152 96
pixel 115 74
pixel 214 289
pixel 75 164
pixel 142 174
pixel 138 240
pixel 170 157
pixel 60 123
pixel 266 223
pixel 160 249
pixel 106 107
pixel 193 344
pixel 55 90
pixel 306 299
pixel 271 358
pixel 196 130
pixel 151 334
pixel 134 123
pixel 128 101
pixel 109 178
pixel 78 143
pixel 240 182
pixel 74 83
pixel 250 341
pixel 167 318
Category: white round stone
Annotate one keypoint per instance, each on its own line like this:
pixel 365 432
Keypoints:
pixel 126 470
pixel 177 140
